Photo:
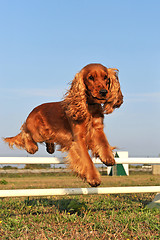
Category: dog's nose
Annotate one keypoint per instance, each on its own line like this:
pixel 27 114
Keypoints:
pixel 103 92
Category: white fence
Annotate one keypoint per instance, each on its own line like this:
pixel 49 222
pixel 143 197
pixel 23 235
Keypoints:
pixel 54 160
pixel 75 191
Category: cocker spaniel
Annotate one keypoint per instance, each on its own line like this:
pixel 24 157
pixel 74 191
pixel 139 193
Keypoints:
pixel 76 123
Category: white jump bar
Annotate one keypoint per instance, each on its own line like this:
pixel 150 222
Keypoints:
pixel 54 160
pixel 77 191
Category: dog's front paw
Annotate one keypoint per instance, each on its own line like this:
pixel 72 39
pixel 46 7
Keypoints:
pixel 93 178
pixel 94 182
pixel 109 159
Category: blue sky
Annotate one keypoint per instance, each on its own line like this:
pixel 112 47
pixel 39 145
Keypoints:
pixel 43 44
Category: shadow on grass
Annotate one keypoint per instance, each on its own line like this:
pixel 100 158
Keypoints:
pixel 74 205
pixel 63 205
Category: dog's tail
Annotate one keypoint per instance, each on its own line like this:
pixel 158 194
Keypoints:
pixel 23 140
pixel 17 141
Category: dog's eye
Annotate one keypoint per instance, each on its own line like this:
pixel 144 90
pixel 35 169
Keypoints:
pixel 105 77
pixel 91 78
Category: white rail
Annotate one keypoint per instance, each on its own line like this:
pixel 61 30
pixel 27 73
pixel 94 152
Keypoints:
pixel 54 160
pixel 77 191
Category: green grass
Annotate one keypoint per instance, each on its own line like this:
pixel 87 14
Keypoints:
pixel 120 216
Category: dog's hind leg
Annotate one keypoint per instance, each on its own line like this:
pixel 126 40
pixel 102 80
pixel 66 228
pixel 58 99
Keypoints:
pixel 50 148
pixel 23 140
pixel 30 145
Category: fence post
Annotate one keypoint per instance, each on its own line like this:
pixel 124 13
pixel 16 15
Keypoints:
pixel 119 169
pixel 156 169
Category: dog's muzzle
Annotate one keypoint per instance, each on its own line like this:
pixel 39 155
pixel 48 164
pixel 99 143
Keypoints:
pixel 103 92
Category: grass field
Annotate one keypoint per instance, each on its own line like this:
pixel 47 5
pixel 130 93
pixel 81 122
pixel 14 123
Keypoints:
pixel 120 216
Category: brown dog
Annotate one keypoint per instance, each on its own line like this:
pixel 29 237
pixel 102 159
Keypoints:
pixel 76 123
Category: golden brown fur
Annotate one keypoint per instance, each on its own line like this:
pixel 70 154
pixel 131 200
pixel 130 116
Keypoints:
pixel 76 123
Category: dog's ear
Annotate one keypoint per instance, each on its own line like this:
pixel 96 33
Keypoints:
pixel 74 102
pixel 115 98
